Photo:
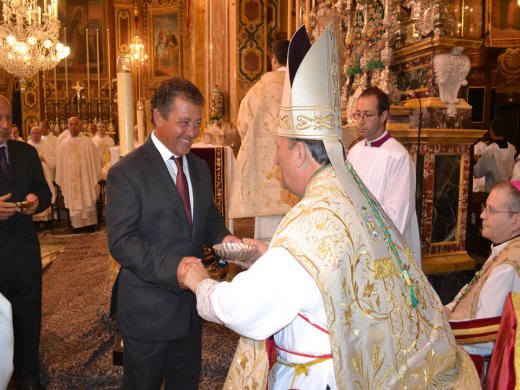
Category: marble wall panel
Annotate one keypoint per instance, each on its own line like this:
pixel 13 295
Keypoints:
pixel 446 190
pixel 437 118
pixel 432 195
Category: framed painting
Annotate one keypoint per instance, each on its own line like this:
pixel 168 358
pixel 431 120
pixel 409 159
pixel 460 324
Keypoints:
pixel 503 21
pixel 84 31
pixel 164 42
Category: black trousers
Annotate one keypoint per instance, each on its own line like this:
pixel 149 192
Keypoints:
pixel 148 362
pixel 24 292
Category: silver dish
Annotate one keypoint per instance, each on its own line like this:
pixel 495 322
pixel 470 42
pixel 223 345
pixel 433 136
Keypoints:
pixel 234 251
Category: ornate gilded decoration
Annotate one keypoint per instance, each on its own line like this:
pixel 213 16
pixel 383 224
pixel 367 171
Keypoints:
pixel 509 66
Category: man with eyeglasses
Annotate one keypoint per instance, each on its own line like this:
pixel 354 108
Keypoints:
pixel 385 166
pixel 485 294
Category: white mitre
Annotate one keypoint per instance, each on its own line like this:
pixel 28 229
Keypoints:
pixel 310 106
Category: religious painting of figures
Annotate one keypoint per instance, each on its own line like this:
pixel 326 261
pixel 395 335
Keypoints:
pixel 84 31
pixel 504 23
pixel 165 42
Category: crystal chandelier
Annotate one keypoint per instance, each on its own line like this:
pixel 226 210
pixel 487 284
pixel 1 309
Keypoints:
pixel 29 38
pixel 137 50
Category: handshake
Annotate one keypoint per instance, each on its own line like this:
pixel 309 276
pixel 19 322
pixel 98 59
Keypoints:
pixel 191 271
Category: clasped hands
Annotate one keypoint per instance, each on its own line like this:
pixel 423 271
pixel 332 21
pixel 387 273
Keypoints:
pixel 191 271
pixel 7 209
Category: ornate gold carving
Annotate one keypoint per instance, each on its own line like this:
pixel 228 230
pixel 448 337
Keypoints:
pixel 509 66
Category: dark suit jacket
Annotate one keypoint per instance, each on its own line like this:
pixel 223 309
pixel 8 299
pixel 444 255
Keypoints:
pixel 19 245
pixel 148 234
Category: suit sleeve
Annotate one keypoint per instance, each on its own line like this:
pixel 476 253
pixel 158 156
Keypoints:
pixel 149 262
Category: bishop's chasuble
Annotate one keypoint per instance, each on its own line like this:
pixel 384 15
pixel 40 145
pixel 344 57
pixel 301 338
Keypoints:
pixel 371 335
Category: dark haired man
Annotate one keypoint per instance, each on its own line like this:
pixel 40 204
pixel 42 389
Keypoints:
pixel 160 209
pixel 385 166
pixel 256 190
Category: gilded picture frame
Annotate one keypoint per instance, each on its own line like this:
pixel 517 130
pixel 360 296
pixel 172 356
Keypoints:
pixel 165 42
pixel 503 23
pixel 84 27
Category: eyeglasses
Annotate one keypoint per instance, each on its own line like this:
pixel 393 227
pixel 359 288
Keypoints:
pixel 492 211
pixel 362 115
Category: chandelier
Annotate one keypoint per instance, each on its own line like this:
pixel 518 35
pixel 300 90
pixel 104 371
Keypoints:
pixel 29 38
pixel 137 50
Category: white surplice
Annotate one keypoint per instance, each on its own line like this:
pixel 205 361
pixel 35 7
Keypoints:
pixel 103 145
pixel 78 171
pixel 264 301
pixel 495 164
pixel 479 183
pixel 389 173
pixel 48 166
pixel 516 170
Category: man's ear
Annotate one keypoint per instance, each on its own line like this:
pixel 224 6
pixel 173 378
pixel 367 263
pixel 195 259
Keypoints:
pixel 157 117
pixel 301 153
pixel 384 115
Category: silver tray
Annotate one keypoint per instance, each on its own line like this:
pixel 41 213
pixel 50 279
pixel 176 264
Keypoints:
pixel 234 251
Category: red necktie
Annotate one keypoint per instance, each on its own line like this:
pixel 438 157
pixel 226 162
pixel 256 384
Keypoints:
pixel 3 162
pixel 182 187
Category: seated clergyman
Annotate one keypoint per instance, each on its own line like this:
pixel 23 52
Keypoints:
pixel 485 294
pixel 338 288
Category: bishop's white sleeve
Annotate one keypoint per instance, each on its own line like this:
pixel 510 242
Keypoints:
pixel 260 301
pixel 503 280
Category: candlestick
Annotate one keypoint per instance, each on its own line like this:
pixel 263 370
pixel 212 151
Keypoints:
pixel 109 78
pixel 308 15
pixel 66 66
pixel 297 20
pixel 44 95
pixel 56 94
pixel 289 19
pixel 125 107
pixel 88 67
pixel 98 74
pixel 140 122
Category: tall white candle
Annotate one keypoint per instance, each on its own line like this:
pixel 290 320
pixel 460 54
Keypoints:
pixel 125 107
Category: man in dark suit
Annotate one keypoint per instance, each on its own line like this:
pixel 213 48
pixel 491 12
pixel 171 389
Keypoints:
pixel 21 179
pixel 159 211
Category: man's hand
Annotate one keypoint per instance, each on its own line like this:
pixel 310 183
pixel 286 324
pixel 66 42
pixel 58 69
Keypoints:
pixel 34 199
pixel 231 238
pixel 261 247
pixel 190 273
pixel 7 209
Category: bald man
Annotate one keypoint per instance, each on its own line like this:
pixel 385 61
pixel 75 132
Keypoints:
pixel 21 179
pixel 78 171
